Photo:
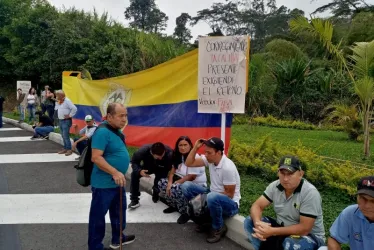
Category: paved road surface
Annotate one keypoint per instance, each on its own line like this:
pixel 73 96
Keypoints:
pixel 43 208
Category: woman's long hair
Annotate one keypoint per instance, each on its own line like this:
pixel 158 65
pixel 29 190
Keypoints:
pixel 177 156
pixel 32 88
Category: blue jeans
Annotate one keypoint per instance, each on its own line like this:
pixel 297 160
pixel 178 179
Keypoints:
pixel 1 119
pixel 65 126
pixel 31 108
pixel 21 111
pixel 81 145
pixel 43 131
pixel 308 242
pixel 219 205
pixel 104 199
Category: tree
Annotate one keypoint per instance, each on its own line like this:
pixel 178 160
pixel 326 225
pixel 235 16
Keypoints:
pixel 146 16
pixel 181 32
pixel 360 70
pixel 343 7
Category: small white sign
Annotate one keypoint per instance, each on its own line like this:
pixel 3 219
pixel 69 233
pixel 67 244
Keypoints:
pixel 223 74
pixel 24 85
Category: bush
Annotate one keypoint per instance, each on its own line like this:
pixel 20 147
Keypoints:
pixel 274 122
pixel 262 159
pixel 241 119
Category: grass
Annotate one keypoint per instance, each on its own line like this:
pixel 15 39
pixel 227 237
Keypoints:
pixel 325 143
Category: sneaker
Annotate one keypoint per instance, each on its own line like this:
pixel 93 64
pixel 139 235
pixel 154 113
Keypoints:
pixel 216 235
pixel 46 137
pixel 68 152
pixel 77 159
pixel 134 204
pixel 34 137
pixel 183 219
pixel 128 239
pixel 62 152
pixel 155 197
pixel 170 210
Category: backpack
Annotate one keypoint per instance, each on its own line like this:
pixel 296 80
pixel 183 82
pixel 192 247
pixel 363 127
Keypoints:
pixel 85 165
pixel 198 209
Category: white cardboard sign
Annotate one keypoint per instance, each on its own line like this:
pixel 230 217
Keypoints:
pixel 223 74
pixel 24 85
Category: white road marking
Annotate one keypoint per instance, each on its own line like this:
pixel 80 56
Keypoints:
pixel 71 209
pixel 18 139
pixel 9 129
pixel 27 158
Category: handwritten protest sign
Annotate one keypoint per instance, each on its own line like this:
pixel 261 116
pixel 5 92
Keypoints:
pixel 24 85
pixel 223 74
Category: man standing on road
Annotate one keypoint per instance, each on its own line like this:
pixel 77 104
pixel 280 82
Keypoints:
pixel 298 207
pixel 150 159
pixel 2 100
pixel 111 161
pixel 66 111
pixel 355 225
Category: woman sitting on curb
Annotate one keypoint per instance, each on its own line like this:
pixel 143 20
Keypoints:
pixel 179 174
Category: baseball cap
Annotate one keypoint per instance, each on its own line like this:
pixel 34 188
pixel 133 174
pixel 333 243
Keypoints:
pixel 291 163
pixel 366 186
pixel 88 118
pixel 215 143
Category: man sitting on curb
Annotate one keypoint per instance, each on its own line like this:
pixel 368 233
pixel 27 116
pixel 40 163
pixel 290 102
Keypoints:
pixel 85 133
pixel 224 194
pixel 150 159
pixel 355 225
pixel 297 204
pixel 43 128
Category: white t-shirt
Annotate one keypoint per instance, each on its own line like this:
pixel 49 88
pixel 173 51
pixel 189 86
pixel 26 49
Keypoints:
pixel 30 99
pixel 183 170
pixel 225 173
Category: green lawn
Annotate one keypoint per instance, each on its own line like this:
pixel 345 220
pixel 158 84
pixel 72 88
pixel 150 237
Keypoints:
pixel 325 143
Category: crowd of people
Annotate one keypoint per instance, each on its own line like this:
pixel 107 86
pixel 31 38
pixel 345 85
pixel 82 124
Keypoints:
pixel 180 176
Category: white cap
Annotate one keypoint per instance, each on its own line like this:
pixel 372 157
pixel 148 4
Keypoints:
pixel 88 118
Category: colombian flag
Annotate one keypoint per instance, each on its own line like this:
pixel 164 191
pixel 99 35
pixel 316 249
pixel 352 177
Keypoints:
pixel 161 102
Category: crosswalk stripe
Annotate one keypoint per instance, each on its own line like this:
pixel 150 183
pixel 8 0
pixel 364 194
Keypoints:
pixel 72 208
pixel 17 139
pixel 36 158
pixel 9 129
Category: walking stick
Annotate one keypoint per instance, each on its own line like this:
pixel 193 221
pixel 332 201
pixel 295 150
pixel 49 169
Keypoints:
pixel 120 218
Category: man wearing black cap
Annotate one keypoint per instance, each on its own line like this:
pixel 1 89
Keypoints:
pixel 355 225
pixel 150 159
pixel 298 208
pixel 224 191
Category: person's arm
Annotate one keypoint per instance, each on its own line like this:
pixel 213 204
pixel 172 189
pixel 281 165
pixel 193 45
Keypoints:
pixel 303 228
pixel 81 139
pixel 332 244
pixel 137 158
pixel 192 161
pixel 257 208
pixel 73 109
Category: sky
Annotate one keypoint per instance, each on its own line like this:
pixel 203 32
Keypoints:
pixel 173 8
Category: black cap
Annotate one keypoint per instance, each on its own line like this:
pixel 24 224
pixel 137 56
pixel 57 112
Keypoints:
pixel 291 163
pixel 215 143
pixel 366 186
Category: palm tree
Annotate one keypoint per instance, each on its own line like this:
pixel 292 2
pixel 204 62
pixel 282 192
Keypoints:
pixel 359 70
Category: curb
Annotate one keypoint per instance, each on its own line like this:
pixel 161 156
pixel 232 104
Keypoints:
pixel 234 225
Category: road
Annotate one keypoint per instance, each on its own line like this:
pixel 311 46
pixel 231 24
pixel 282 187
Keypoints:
pixel 42 207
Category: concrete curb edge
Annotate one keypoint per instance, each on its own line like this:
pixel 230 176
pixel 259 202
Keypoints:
pixel 235 224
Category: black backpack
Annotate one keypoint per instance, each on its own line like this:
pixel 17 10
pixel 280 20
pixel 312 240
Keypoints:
pixel 198 209
pixel 85 165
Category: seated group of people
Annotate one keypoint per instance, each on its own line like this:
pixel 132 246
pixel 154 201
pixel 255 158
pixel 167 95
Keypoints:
pixel 180 176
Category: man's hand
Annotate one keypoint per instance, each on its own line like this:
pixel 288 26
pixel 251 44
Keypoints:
pixel 168 189
pixel 199 143
pixel 262 230
pixel 119 179
pixel 143 173
pixel 66 116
